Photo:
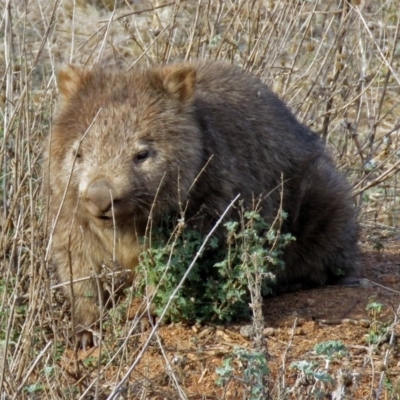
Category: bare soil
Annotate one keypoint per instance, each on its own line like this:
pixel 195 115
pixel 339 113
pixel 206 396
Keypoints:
pixel 295 323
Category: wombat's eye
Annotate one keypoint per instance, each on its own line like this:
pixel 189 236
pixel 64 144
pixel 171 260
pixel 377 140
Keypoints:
pixel 142 155
pixel 77 154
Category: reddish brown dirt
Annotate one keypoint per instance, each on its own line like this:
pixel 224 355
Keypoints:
pixel 328 313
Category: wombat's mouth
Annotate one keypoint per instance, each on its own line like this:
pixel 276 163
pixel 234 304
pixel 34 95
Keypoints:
pixel 102 220
pixel 107 222
pixel 104 217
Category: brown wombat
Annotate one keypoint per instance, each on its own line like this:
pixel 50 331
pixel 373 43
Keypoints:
pixel 131 146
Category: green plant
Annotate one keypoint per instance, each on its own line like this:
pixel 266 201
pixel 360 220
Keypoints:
pixel 35 388
pixel 217 287
pixel 330 350
pixel 378 327
pixel 90 361
pixel 319 381
pixel 253 369
pixel 49 370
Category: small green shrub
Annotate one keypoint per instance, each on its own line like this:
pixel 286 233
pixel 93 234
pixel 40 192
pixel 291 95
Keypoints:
pixel 331 349
pixel 35 388
pixel 321 382
pixel 253 371
pixel 216 289
pixel 378 328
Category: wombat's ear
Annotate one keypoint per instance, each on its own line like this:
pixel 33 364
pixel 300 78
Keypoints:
pixel 179 81
pixel 69 80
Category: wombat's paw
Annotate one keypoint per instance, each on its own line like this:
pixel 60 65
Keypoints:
pixel 145 324
pixel 139 309
pixel 86 320
pixel 86 339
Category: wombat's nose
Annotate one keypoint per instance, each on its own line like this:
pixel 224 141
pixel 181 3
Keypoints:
pixel 100 195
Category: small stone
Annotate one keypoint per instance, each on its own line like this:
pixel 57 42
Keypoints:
pixel 247 331
pixel 269 332
pixel 365 323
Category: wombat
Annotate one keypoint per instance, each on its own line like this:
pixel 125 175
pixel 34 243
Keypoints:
pixel 132 146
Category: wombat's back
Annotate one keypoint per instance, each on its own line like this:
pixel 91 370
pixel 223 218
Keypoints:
pixel 258 147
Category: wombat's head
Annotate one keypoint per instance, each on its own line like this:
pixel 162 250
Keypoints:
pixel 125 143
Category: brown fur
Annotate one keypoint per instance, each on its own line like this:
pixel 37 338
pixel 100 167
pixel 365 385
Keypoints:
pixel 151 133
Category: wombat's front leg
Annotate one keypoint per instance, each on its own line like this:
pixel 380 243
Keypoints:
pixel 76 269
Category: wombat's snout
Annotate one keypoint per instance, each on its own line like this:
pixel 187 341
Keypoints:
pixel 101 198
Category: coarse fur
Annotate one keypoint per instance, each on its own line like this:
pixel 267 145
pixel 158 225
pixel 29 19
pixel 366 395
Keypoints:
pixel 125 144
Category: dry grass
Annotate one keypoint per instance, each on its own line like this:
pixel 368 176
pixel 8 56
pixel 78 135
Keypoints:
pixel 335 63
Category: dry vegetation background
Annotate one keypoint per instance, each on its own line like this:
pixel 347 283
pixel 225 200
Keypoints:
pixel 336 63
